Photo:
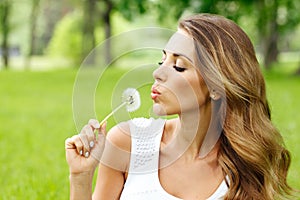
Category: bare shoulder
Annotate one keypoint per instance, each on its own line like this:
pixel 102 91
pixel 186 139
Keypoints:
pixel 114 163
pixel 119 136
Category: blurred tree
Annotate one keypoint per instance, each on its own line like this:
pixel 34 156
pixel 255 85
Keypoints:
pixel 88 27
pixel 51 13
pixel 298 70
pixel 32 31
pixel 5 8
pixel 67 38
pixel 273 18
pixel 106 16
pixel 33 25
pixel 94 14
pixel 104 9
pixel 132 8
pixel 127 8
pixel 32 28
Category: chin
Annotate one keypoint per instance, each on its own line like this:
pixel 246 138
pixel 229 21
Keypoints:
pixel 159 110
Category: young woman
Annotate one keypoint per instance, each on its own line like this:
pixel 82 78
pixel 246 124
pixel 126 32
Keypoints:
pixel 222 145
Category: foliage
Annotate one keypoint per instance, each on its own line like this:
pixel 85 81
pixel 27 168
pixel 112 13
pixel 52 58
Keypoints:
pixel 67 39
pixel 273 20
pixel 131 8
pixel 257 17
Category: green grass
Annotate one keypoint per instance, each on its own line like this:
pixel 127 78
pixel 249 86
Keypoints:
pixel 283 93
pixel 36 117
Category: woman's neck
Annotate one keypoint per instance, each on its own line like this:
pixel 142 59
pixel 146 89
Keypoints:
pixel 184 137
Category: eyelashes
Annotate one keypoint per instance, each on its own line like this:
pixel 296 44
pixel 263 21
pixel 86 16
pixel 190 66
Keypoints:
pixel 177 68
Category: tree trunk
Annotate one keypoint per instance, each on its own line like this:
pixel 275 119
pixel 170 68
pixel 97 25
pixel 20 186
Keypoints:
pixel 271 48
pixel 32 31
pixel 268 31
pixel 5 32
pixel 271 53
pixel 298 70
pixel 88 39
pixel 107 26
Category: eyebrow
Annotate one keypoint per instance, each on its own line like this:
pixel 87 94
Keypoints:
pixel 178 54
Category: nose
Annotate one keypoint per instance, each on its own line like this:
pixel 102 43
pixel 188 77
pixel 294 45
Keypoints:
pixel 159 74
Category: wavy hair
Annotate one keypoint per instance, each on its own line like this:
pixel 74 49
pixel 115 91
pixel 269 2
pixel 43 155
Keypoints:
pixel 252 152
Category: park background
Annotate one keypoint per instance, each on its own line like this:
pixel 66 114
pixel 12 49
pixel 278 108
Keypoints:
pixel 44 42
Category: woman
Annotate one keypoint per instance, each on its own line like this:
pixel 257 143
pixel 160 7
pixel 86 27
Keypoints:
pixel 222 145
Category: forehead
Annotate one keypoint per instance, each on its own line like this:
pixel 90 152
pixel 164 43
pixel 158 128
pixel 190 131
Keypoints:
pixel 181 44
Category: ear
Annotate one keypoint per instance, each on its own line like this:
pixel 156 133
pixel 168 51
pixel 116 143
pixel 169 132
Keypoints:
pixel 214 95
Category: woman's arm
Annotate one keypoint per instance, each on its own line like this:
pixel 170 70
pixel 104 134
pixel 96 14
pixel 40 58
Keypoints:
pixel 109 184
pixel 114 164
pixel 81 186
pixel 83 153
pixel 83 157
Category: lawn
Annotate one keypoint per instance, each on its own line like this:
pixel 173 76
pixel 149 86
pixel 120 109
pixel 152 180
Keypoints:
pixel 36 117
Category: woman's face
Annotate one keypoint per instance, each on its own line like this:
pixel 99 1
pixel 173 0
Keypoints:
pixel 178 87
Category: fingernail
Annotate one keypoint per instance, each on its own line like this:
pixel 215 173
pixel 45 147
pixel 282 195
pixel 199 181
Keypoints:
pixel 97 125
pixel 80 152
pixel 86 154
pixel 92 144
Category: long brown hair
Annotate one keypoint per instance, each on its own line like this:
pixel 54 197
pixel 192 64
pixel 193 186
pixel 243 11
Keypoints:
pixel 252 153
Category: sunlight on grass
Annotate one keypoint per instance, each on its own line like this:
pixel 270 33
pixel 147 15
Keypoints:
pixel 36 117
pixel 283 93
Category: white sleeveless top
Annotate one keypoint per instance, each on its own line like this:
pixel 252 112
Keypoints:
pixel 143 181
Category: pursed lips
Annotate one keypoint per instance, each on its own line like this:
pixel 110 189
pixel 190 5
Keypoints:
pixel 154 93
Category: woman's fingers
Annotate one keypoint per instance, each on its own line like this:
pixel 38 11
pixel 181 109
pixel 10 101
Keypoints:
pixel 100 143
pixel 74 142
pixel 102 129
pixel 69 144
pixel 86 140
pixel 88 130
pixel 94 124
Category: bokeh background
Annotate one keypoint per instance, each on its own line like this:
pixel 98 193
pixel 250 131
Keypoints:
pixel 43 43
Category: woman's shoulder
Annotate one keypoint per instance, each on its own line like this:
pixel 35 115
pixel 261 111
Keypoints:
pixel 119 136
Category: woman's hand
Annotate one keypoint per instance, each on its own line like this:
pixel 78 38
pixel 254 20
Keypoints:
pixel 84 151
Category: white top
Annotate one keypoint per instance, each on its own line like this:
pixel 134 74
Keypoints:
pixel 143 181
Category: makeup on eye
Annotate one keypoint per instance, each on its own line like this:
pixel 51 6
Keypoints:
pixel 177 68
pixel 177 55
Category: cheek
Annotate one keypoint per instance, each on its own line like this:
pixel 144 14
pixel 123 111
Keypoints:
pixel 194 91
pixel 190 91
pixel 182 92
pixel 201 90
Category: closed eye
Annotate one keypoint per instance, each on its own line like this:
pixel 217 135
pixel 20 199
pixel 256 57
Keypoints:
pixel 179 69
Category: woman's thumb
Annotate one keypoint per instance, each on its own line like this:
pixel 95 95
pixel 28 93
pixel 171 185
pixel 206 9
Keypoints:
pixel 102 129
